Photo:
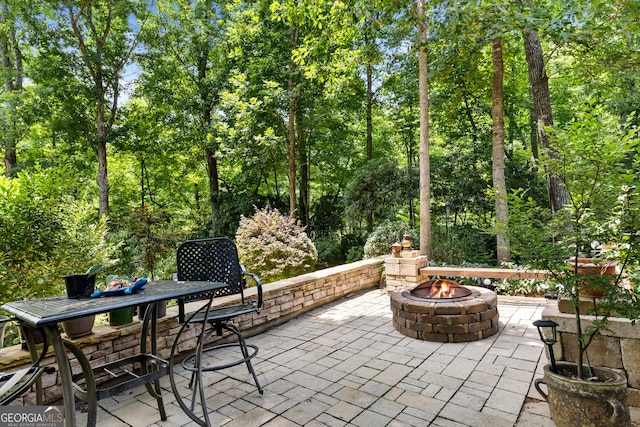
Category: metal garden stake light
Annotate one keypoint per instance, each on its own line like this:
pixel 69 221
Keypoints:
pixel 548 337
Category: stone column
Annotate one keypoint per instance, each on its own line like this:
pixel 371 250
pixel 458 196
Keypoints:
pixel 403 271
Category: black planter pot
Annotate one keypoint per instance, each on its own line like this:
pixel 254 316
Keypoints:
pixel 162 310
pixel 80 285
pixel 37 334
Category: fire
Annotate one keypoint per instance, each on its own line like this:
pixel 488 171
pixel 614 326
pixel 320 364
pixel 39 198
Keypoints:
pixel 440 289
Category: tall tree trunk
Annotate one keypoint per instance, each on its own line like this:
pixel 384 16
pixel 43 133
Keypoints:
pixel 212 173
pixel 499 183
pixel 369 135
pixel 425 169
pixel 291 125
pixel 209 152
pixel 542 107
pixel 13 77
pixel 303 170
pixel 101 151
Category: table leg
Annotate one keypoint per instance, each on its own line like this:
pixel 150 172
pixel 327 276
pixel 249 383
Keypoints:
pixel 151 318
pixel 90 395
pixel 64 371
pixel 31 345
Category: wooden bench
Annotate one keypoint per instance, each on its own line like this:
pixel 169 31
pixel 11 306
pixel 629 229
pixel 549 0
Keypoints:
pixel 489 273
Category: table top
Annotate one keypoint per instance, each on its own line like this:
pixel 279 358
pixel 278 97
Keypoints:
pixel 45 311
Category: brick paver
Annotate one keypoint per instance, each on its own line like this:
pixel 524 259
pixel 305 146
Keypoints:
pixel 344 364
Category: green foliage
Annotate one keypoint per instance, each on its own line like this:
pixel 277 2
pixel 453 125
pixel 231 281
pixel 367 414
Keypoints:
pixel 377 189
pixel 335 249
pixel 329 251
pixel 46 234
pixel 386 234
pixel 274 246
pixel 148 241
pixel 599 166
pixel 462 244
pixel 328 216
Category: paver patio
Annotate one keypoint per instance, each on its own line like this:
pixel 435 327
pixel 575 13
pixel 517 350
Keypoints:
pixel 345 365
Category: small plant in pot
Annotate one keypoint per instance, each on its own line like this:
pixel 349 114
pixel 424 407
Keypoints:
pixel 598 171
pixel 81 286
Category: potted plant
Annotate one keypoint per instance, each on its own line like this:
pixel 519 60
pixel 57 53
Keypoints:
pixel 81 286
pixel 599 171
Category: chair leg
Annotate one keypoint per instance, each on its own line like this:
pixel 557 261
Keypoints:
pixel 245 354
pixel 207 334
pixel 244 348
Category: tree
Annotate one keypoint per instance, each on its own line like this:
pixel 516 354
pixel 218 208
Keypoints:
pixel 185 69
pixel 12 76
pixel 425 170
pixel 100 38
pixel 542 111
pixel 499 184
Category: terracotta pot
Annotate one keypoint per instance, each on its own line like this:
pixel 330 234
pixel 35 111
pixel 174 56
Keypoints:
pixel 79 327
pixel 574 402
pixel 593 266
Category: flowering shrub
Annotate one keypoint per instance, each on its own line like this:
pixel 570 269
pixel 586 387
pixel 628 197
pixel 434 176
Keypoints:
pixel 274 246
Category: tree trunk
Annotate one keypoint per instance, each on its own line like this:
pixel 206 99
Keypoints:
pixel 369 138
pixel 425 173
pixel 499 183
pixel 13 76
pixel 209 152
pixel 291 125
pixel 543 117
pixel 305 175
pixel 212 173
pixel 369 105
pixel 101 151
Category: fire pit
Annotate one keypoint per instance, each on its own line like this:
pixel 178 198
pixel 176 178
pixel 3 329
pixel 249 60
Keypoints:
pixel 443 310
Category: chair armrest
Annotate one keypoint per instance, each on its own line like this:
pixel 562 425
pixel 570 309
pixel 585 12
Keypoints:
pixel 258 284
pixel 13 384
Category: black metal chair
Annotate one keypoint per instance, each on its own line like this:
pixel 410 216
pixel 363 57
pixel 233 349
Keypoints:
pixel 14 384
pixel 213 260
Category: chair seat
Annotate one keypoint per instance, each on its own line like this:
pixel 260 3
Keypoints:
pixel 225 313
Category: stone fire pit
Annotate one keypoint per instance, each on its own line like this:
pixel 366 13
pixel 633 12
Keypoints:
pixel 446 319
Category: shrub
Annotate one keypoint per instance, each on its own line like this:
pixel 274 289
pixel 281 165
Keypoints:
pixel 46 234
pixel 385 235
pixel 329 253
pixel 462 244
pixel 274 246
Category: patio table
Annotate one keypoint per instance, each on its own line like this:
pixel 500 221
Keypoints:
pixel 48 312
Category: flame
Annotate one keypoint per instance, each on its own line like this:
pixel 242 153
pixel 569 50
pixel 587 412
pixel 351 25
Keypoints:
pixel 440 289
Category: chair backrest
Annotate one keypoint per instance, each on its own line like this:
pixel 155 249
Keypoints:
pixel 211 260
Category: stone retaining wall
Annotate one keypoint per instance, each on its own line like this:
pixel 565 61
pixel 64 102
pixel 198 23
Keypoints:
pixel 282 301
